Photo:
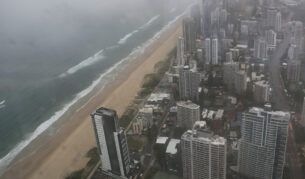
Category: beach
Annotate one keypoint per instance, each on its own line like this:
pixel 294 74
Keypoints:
pixel 56 154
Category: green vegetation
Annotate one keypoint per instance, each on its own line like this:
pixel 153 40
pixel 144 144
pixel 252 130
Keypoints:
pixel 127 117
pixel 159 153
pixel 153 79
pixel 76 175
pixel 151 172
pixel 83 173
pixel 133 143
pixel 94 157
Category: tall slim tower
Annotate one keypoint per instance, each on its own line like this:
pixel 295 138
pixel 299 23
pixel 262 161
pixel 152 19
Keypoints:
pixel 180 52
pixel 207 50
pixel 215 51
pixel 188 85
pixel 189 35
pixel 111 142
pixel 278 22
pixel 303 114
pixel 262 146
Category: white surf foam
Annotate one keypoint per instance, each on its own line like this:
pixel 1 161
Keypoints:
pixel 172 10
pixel 89 61
pixel 148 23
pixel 6 160
pixel 126 37
pixel 153 19
pixel 99 55
pixel 2 104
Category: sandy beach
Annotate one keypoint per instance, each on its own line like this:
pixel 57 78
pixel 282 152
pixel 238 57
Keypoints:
pixel 64 152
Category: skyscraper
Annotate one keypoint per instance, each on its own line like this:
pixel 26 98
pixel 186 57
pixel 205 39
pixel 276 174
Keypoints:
pixel 262 146
pixel 303 114
pixel 271 17
pixel 189 81
pixel 111 142
pixel 229 57
pixel 260 48
pixel 215 51
pixel 189 35
pixel 180 52
pixel 240 82
pixel 261 91
pixel 271 39
pixel 278 22
pixel 207 50
pixel 187 114
pixel 229 70
pixel 294 70
pixel 203 154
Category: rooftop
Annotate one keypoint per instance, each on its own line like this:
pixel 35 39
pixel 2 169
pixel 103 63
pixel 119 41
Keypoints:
pixel 204 135
pixel 280 114
pixel 161 140
pixel 188 104
pixel 158 96
pixel 172 146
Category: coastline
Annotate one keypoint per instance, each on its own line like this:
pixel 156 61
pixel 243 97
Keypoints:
pixel 56 155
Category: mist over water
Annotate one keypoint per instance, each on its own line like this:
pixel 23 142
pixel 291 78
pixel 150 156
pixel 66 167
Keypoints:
pixel 52 50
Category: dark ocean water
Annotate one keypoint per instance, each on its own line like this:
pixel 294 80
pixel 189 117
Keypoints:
pixel 51 51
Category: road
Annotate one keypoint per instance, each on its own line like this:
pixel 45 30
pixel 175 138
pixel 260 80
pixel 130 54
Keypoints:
pixel 280 102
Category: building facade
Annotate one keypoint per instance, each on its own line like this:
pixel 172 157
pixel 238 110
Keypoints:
pixel 189 35
pixel 111 142
pixel 187 114
pixel 262 146
pixel 180 52
pixel 240 82
pixel 229 70
pixel 203 155
pixel 294 70
pixel 214 51
pixel 261 91
pixel 188 85
pixel 207 50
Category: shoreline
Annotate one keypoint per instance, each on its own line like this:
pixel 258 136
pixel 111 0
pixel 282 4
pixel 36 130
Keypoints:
pixel 58 155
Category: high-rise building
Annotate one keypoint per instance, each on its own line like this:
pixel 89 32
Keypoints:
pixel 291 51
pixel 296 31
pixel 111 142
pixel 189 35
pixel 262 147
pixel 203 154
pixel 215 51
pixel 271 17
pixel 260 48
pixel 278 22
pixel 303 114
pixel 229 57
pixel 180 52
pixel 229 70
pixel 187 114
pixel 207 50
pixel 240 82
pixel 271 39
pixel 261 91
pixel 294 70
pixel 189 81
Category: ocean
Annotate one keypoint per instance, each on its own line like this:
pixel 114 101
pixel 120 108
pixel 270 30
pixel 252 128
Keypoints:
pixel 54 53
